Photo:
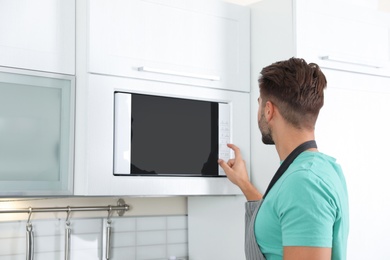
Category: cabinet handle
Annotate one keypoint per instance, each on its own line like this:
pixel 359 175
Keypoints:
pixel 374 64
pixel 178 73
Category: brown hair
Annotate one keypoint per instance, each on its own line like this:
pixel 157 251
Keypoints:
pixel 296 88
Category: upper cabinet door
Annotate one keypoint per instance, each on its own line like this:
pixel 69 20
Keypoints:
pixel 38 35
pixel 201 43
pixel 36 133
pixel 338 34
pixel 344 35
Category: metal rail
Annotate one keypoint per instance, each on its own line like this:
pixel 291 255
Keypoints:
pixel 121 208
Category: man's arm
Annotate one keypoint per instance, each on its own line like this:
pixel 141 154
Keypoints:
pixel 306 253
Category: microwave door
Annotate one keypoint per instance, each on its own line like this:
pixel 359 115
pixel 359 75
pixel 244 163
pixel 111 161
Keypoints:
pixel 172 136
pixel 122 134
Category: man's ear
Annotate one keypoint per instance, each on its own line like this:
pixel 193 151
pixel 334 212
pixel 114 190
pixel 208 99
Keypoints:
pixel 269 110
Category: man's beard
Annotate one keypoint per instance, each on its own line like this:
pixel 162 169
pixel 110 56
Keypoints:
pixel 266 133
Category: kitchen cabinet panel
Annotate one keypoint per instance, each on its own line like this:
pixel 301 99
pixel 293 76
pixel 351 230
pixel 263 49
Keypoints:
pixel 36 133
pixel 354 39
pixel 38 35
pixel 353 127
pixel 333 34
pixel 189 38
pixel 201 43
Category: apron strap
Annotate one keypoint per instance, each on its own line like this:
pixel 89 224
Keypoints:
pixel 286 163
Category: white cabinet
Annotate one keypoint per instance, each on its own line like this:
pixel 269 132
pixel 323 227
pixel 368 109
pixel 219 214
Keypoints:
pixel 201 43
pixel 353 127
pixel 38 35
pixel 343 36
pixel 334 34
pixel 189 49
pixel 36 133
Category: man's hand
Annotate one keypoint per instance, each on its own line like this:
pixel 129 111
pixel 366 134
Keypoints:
pixel 236 172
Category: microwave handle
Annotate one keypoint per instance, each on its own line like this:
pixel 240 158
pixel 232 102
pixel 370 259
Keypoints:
pixel 179 73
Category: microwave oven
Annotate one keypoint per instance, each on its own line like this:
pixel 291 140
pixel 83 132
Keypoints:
pixel 123 121
pixel 166 136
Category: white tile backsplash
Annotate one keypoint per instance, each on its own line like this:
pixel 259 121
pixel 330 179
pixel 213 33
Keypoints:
pixel 145 238
pixel 151 252
pixel 132 238
pixel 151 223
pixel 123 239
pixel 128 253
pixel 178 250
pixel 177 222
pixel 177 236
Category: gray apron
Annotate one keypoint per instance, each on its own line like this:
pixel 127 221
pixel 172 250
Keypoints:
pixel 252 249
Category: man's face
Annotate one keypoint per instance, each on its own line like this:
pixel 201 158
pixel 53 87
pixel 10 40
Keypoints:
pixel 263 124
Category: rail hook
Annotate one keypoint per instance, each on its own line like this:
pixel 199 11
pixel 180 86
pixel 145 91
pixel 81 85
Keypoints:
pixel 28 224
pixel 109 215
pixel 68 216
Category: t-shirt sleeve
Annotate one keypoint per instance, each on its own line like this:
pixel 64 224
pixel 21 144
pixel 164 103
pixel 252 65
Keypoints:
pixel 306 210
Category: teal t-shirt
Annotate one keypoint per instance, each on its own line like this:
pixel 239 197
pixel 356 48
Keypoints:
pixel 308 206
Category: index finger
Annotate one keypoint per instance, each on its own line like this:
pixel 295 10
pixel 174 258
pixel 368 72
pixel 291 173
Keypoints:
pixel 224 166
pixel 237 152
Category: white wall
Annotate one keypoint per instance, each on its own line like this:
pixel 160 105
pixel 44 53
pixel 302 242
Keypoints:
pixel 384 5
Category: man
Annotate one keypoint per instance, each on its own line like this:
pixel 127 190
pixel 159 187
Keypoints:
pixel 304 214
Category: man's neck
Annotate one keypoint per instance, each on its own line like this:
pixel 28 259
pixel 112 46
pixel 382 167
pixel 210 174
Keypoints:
pixel 291 139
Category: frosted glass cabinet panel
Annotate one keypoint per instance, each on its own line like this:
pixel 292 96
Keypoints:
pixel 36 133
